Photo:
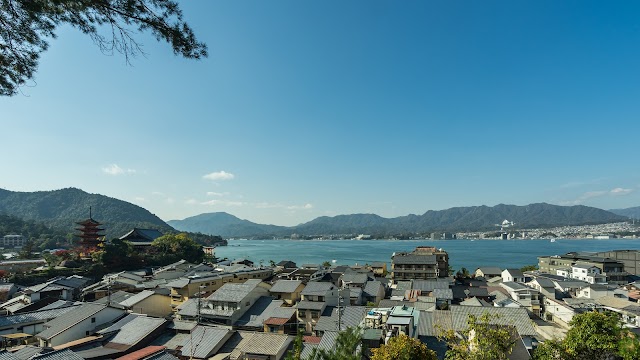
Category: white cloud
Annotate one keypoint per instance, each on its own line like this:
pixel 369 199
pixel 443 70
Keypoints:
pixel 157 193
pixel 213 193
pixel 300 207
pixel 216 202
pixel 170 200
pixel 139 199
pixel 265 205
pixel 599 193
pixel 114 169
pixel 620 191
pixel 191 202
pixel 219 175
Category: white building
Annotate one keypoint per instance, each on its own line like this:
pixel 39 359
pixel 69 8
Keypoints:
pixel 11 241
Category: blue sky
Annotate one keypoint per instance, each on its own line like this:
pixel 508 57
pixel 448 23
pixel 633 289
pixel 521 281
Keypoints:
pixel 306 109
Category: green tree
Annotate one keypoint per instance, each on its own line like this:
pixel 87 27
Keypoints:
pixel 119 255
pixel 272 263
pixel 27 250
pixel 26 25
pixel 529 268
pixel 347 347
pixel 326 264
pixel 403 347
pixel 593 335
pixel 481 340
pixel 173 247
pixel 296 352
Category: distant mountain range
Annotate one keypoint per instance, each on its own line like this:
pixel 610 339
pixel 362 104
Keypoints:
pixel 473 218
pixel 632 212
pixel 61 209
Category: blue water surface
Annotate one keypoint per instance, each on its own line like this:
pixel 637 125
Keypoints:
pixel 462 253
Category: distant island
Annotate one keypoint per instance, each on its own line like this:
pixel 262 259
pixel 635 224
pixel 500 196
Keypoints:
pixel 458 219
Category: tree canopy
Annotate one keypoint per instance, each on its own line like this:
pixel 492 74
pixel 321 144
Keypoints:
pixel 402 347
pixel 26 26
pixel 348 347
pixel 174 247
pixel 481 340
pixel 595 336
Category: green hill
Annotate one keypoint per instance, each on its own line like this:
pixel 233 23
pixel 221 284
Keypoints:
pixel 61 209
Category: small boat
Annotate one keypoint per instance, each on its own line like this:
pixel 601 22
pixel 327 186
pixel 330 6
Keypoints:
pixel 552 240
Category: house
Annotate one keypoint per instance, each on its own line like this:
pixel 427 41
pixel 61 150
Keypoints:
pixel 596 291
pixel 423 263
pixel 31 322
pixel 379 269
pixel 352 280
pixel 613 270
pixel 227 304
pixel 351 316
pixel 65 288
pixel 528 297
pixel 290 291
pixel 513 275
pixel 545 286
pixel 373 292
pixel 129 334
pixel 286 264
pixel 488 272
pixel 204 342
pixel 256 346
pixel 148 302
pixel 281 319
pixel 77 323
pixel 587 272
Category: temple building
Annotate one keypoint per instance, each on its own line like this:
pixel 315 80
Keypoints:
pixel 141 239
pixel 91 235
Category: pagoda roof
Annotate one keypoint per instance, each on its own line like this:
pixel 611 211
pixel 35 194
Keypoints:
pixel 88 221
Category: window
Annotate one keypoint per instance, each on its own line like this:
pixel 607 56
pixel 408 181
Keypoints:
pixel 93 320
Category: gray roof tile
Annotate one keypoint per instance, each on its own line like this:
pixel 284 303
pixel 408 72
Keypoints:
pixel 65 354
pixel 234 292
pixel 206 340
pixel 285 286
pixel 411 259
pixel 311 305
pixel 517 317
pixel 71 318
pixel 137 329
pixel 316 288
pixel 34 316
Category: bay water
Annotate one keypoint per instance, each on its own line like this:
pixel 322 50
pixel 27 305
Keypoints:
pixel 462 253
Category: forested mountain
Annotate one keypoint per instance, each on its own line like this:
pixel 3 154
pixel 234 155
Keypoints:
pixel 61 209
pixel 33 230
pixel 632 212
pixel 473 218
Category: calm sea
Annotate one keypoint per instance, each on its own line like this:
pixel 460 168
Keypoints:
pixel 462 253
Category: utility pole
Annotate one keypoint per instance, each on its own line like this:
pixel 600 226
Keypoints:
pixel 339 309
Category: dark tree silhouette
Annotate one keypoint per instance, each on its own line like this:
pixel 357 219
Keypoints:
pixel 26 25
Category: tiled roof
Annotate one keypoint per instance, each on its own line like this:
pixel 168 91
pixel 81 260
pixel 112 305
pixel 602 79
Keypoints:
pixel 5 355
pixel 206 340
pixel 517 317
pixel 163 355
pixel 132 300
pixel 404 285
pixel 372 287
pixel 411 259
pixel 490 270
pixel 65 354
pixel 34 316
pixel 264 343
pixel 141 234
pixel 61 323
pixel 142 353
pixel 431 323
pixel 311 339
pixel 429 285
pixel 515 272
pixel 444 294
pixel 311 305
pixel 307 350
pixel 356 278
pixel 28 352
pixel 285 286
pixel 259 312
pixel 351 316
pixel 137 329
pixel 234 292
pixel 316 288
pixel 275 321
pixel 474 301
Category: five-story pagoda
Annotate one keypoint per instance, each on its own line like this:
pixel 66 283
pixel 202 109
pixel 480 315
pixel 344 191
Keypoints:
pixel 91 236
